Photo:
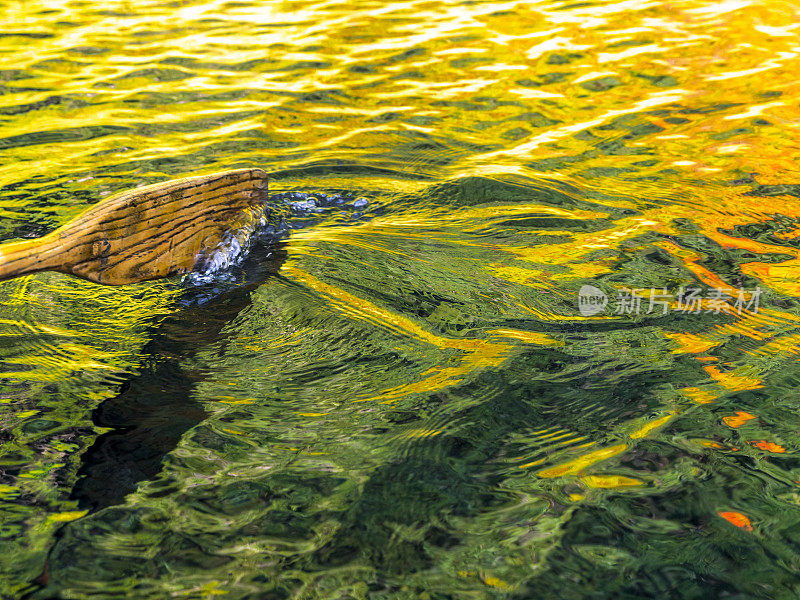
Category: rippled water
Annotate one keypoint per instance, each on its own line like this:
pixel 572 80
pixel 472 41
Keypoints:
pixel 403 400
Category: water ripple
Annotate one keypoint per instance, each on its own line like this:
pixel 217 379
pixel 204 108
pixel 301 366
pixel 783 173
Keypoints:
pixel 388 390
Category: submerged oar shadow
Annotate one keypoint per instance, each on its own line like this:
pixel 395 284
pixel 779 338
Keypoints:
pixel 155 407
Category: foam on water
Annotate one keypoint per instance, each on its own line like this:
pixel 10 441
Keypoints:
pixel 268 225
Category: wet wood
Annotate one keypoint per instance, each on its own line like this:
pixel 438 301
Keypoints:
pixel 144 233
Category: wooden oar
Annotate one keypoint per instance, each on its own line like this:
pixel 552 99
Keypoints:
pixel 144 233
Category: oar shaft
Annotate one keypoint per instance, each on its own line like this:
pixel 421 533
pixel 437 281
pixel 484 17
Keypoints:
pixel 27 256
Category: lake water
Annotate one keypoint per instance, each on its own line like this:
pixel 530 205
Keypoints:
pixel 550 352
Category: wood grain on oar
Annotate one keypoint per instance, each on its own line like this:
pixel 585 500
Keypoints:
pixel 145 233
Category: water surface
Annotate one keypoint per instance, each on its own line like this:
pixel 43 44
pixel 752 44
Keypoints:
pixel 402 399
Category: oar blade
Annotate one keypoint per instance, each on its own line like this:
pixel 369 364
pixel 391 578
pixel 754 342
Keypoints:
pixel 159 230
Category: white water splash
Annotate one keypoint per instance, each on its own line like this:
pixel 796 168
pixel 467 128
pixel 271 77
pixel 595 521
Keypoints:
pixel 266 224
